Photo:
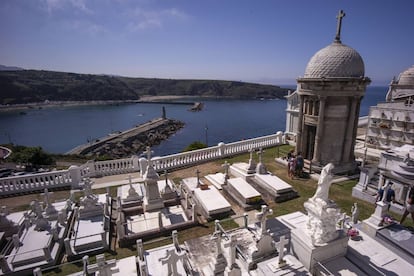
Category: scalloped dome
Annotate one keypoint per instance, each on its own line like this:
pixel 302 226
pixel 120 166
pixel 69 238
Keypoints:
pixel 407 77
pixel 335 61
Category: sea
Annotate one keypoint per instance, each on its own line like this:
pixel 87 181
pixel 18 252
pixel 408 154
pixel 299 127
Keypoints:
pixel 59 129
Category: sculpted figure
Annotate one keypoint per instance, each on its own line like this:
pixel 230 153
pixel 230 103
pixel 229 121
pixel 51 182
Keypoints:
pixel 325 181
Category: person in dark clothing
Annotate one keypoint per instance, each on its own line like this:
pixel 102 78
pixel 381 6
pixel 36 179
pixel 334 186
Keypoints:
pixel 390 195
pixel 299 164
pixel 409 206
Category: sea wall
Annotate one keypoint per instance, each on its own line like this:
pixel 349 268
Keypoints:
pixel 131 141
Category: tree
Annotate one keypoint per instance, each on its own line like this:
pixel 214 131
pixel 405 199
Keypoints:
pixel 195 146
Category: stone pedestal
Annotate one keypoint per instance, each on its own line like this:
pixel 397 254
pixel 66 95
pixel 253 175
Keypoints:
pixel 374 222
pixel 321 224
pixel 309 255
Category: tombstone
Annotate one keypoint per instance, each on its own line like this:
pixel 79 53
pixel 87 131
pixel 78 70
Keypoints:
pixel 219 263
pixel 140 250
pixel 50 211
pixel 252 165
pixel 226 167
pixel 260 168
pixel 262 217
pixel 103 267
pixel 41 223
pixel 200 184
pixel 354 213
pixel 322 213
pixel 152 199
pixel 264 244
pixel 232 268
pixel 8 226
pixel 167 192
pixel 281 249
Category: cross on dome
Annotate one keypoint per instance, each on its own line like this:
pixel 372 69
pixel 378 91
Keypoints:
pixel 340 15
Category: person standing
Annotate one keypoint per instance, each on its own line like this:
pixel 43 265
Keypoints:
pixel 299 164
pixel 409 206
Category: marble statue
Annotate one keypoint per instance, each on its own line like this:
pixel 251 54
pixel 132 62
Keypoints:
pixel 322 212
pixel 324 183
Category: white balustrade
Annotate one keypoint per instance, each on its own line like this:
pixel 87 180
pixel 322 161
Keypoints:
pixel 72 176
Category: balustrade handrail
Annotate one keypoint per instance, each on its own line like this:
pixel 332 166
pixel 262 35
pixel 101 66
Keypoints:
pixel 74 174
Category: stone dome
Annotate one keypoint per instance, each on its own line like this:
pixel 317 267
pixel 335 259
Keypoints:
pixel 335 61
pixel 407 77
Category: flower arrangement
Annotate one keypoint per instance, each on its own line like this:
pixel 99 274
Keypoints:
pixel 387 220
pixel 352 232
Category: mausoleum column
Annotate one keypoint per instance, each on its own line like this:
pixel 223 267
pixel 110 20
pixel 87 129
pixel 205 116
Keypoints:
pixel 346 154
pixel 319 130
pixel 300 126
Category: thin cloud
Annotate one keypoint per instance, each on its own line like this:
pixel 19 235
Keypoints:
pixel 54 5
pixel 86 27
pixel 146 19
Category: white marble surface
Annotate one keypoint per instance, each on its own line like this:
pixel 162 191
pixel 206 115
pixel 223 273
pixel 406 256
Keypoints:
pixel 216 179
pixel 244 188
pixel 212 201
pixel 154 265
pixel 273 182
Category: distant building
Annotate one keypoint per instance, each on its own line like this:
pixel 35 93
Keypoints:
pixel 329 96
pixel 391 124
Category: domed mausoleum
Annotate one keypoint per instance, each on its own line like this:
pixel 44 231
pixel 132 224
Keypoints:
pixel 402 89
pixel 330 94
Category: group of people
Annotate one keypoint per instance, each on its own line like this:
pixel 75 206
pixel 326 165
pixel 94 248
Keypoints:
pixel 295 164
pixel 390 197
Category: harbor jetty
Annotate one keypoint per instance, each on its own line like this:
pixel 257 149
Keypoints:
pixel 131 141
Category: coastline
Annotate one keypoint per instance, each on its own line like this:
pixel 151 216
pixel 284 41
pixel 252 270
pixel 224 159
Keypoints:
pixel 50 104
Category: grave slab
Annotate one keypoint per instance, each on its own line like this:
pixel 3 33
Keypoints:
pixel 279 189
pixel 217 180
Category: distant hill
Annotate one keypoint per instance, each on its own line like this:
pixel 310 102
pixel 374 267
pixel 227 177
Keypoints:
pixel 9 68
pixel 28 86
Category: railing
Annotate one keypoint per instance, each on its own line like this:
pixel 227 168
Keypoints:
pixel 33 182
pixel 74 175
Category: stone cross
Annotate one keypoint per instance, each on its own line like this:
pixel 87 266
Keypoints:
pixel 198 177
pixel 340 15
pixel 87 187
pixel 217 238
pixel 171 259
pixel 226 166
pixel 102 266
pixel 262 217
pixel 251 150
pixel 140 250
pixel 166 177
pixel 46 195
pixel 148 152
pixel 281 249
pixel 175 240
pixel 260 153
pixel 232 244
pixel 355 213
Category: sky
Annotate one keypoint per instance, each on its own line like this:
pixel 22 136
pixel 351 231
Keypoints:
pixel 260 41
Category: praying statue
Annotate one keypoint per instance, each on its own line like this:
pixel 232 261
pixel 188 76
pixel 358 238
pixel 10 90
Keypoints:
pixel 325 181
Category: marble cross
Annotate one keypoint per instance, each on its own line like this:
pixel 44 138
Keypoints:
pixel 251 150
pixel 232 244
pixel 226 166
pixel 340 15
pixel 260 153
pixel 46 195
pixel 281 248
pixel 217 238
pixel 198 177
pixel 262 217
pixel 102 266
pixel 148 152
pixel 140 250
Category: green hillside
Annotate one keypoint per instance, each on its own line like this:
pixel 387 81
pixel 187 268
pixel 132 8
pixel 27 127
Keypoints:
pixel 28 86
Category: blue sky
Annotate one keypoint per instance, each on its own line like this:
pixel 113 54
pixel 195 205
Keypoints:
pixel 257 41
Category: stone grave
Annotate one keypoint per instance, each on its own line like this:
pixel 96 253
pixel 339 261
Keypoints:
pixel 130 195
pixel 243 193
pixel 244 170
pixel 170 259
pixel 39 239
pixel 90 226
pixel 276 187
pixel 168 190
pixel 209 200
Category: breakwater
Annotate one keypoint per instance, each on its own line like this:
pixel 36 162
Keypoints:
pixel 131 141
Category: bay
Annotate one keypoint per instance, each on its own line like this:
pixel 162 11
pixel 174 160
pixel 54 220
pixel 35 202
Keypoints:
pixel 59 129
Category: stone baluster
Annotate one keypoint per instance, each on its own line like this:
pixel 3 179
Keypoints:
pixel 5 268
pixel 85 262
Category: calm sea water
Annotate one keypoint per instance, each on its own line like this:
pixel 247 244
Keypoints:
pixel 60 129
